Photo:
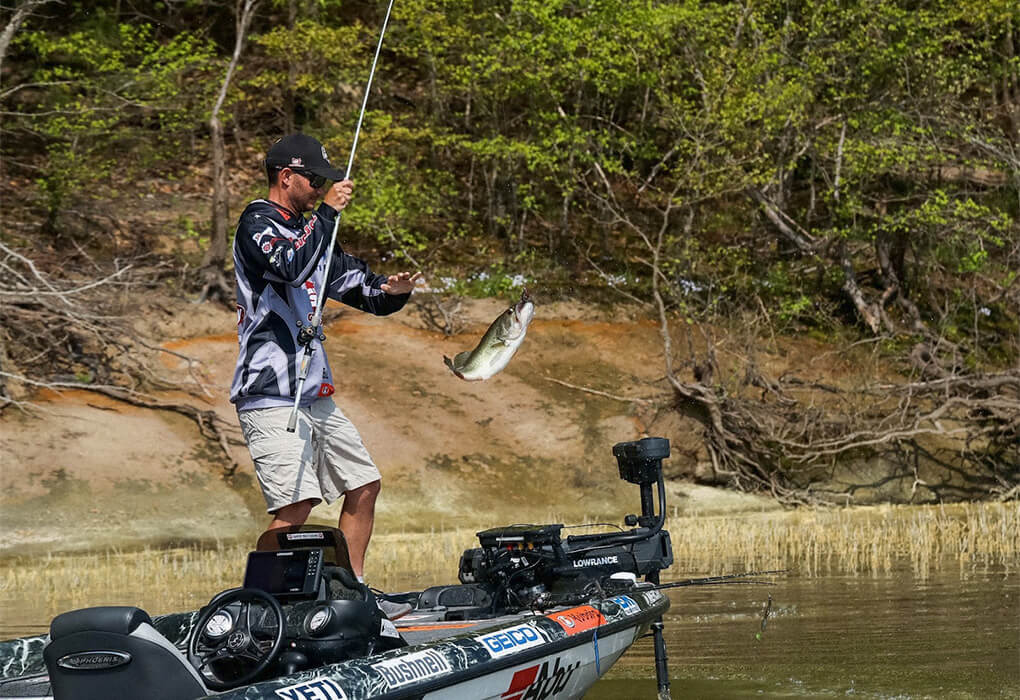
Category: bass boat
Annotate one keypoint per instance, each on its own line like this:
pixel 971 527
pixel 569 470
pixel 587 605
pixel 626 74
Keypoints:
pixel 537 614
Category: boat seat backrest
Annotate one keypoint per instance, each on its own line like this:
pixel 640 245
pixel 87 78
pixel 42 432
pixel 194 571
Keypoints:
pixel 115 653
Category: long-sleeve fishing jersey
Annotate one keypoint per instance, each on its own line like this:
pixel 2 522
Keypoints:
pixel 279 264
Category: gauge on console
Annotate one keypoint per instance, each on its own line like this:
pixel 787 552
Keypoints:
pixel 218 625
pixel 318 619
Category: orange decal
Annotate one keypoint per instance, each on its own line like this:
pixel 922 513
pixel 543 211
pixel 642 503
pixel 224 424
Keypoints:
pixel 578 619
pixel 431 628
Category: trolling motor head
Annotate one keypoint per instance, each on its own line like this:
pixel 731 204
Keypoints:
pixel 640 462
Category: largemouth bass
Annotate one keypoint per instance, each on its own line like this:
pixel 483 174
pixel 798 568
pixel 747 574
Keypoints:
pixel 497 346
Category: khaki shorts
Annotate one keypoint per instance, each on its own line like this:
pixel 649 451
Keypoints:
pixel 323 458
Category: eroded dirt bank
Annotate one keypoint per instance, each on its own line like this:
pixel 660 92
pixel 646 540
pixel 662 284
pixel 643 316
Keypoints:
pixel 87 471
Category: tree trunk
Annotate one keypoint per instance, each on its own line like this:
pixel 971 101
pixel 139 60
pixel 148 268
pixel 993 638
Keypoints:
pixel 19 16
pixel 215 259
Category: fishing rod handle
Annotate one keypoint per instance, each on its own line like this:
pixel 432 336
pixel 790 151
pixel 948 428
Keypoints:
pixel 306 361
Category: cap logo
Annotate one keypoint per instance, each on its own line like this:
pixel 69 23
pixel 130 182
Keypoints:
pixel 296 161
pixel 324 156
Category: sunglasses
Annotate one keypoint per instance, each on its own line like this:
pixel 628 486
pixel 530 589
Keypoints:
pixel 315 181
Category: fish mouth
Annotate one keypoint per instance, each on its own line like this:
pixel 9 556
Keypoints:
pixel 525 302
pixel 526 299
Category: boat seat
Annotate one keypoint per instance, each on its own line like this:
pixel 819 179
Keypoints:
pixel 115 652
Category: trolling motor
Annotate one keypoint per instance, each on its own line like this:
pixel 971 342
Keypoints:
pixel 523 565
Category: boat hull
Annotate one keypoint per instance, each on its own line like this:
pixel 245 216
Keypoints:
pixel 557 655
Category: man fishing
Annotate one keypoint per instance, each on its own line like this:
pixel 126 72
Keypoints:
pixel 280 266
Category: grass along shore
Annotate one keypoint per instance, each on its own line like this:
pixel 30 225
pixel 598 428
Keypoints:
pixel 811 542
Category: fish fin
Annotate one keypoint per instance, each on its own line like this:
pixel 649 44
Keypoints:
pixel 449 363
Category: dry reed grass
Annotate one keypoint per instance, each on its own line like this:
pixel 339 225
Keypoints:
pixel 875 539
pixel 811 542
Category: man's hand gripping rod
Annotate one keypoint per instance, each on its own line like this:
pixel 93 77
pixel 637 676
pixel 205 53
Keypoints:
pixel 313 330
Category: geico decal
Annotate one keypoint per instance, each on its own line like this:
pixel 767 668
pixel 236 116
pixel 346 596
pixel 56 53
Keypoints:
pixel 510 640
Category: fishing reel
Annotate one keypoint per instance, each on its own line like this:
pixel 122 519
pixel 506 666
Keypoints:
pixel 308 333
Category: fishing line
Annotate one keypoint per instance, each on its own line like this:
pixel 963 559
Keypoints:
pixel 314 330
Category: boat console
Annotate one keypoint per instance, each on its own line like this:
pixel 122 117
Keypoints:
pixel 300 607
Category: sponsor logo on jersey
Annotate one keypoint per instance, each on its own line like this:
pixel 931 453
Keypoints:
pixel 259 235
pixel 305 233
pixel 412 668
pixel 540 681
pixel 315 689
pixel 579 619
pixel 313 296
pixel 511 640
pixel 627 604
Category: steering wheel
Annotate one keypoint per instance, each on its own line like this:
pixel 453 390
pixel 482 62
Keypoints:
pixel 237 655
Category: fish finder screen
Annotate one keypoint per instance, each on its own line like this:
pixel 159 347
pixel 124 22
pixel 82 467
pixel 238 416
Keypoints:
pixel 294 572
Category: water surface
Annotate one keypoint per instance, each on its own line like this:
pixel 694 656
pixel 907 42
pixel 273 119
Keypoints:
pixel 953 635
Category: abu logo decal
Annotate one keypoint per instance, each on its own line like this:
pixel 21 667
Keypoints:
pixel 511 640
pixel 540 681
pixel 579 619
pixel 315 689
pixel 413 667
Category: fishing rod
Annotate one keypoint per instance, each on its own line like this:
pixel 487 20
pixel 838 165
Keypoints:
pixel 308 334
pixel 546 601
pixel 743 578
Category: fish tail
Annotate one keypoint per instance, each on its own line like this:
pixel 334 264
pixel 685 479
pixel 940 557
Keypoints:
pixel 449 363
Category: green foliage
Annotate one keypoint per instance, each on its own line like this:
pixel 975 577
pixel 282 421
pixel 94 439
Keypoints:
pixel 109 96
pixel 547 135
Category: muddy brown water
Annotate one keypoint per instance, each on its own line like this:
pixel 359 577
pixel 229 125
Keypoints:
pixel 952 634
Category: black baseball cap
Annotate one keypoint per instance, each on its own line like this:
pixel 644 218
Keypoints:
pixel 302 152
